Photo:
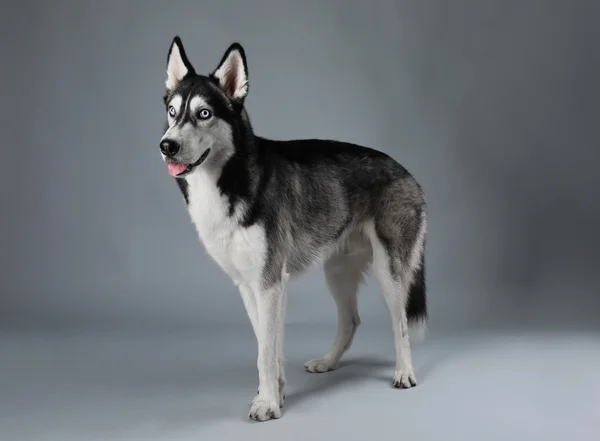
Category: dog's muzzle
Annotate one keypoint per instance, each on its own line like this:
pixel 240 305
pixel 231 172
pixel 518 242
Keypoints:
pixel 179 169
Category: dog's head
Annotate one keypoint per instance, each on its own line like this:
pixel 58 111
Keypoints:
pixel 204 112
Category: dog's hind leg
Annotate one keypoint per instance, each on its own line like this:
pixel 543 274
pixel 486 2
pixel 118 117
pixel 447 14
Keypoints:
pixel 343 274
pixel 397 265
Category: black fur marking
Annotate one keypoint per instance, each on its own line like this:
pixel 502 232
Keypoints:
pixel 235 181
pixel 416 307
pixel 183 187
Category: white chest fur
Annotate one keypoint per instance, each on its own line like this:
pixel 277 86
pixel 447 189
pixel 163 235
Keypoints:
pixel 239 251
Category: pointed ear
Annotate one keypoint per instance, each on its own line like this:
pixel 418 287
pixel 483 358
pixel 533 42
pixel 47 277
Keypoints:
pixel 232 73
pixel 178 65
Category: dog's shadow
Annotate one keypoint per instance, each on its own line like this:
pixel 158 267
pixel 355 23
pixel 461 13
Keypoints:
pixel 363 369
pixel 347 371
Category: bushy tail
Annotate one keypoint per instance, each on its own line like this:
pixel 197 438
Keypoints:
pixel 416 307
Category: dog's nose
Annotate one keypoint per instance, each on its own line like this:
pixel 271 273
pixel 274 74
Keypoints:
pixel 168 147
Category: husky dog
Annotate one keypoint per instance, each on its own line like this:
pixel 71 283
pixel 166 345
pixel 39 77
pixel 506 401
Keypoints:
pixel 268 210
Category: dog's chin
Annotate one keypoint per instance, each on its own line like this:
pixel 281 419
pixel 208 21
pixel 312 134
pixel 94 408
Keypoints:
pixel 179 169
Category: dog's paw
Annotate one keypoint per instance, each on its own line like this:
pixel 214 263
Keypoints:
pixel 404 379
pixel 319 365
pixel 264 410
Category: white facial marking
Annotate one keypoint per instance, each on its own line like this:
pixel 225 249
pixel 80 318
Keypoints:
pixel 196 103
pixel 175 107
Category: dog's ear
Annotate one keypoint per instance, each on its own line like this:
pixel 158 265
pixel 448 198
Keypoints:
pixel 178 65
pixel 232 73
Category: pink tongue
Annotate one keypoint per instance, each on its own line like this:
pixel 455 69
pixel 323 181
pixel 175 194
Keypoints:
pixel 175 169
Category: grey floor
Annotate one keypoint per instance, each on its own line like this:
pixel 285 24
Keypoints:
pixel 197 385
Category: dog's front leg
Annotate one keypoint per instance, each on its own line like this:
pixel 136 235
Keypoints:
pixel 270 305
pixel 249 299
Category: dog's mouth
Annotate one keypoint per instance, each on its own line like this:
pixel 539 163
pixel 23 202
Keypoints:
pixel 179 169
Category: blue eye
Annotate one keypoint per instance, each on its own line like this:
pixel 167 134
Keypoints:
pixel 172 111
pixel 204 114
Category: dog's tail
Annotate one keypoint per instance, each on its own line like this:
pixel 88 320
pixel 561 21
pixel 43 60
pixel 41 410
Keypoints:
pixel 416 306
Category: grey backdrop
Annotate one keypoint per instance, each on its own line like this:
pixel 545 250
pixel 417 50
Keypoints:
pixel 492 105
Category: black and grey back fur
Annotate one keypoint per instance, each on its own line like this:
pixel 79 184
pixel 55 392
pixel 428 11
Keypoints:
pixel 267 210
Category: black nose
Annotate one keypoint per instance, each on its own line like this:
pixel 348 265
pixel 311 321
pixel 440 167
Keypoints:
pixel 168 147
